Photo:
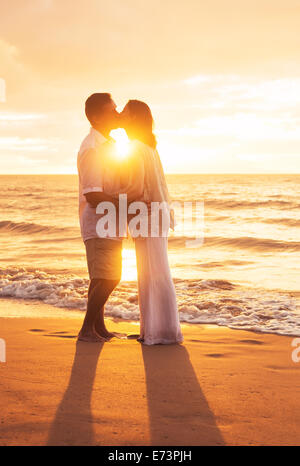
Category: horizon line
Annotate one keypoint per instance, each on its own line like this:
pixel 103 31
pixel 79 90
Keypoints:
pixel 180 174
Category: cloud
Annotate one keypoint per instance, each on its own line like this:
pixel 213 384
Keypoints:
pixel 9 117
pixel 220 77
pixel 13 144
pixel 12 70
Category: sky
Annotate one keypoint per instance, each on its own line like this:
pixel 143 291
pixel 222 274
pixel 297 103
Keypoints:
pixel 222 78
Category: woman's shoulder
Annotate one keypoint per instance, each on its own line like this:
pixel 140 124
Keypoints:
pixel 141 145
pixel 137 149
pixel 140 149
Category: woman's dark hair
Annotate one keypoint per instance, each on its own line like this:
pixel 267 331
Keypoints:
pixel 142 123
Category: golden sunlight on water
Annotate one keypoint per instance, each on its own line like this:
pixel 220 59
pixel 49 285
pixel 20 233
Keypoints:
pixel 128 265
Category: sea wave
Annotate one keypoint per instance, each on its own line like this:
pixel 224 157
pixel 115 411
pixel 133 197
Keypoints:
pixel 219 302
pixel 289 222
pixel 7 226
pixel 218 203
pixel 243 242
pixel 233 204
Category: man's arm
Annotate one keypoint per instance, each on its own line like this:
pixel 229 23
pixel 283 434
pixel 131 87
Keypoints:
pixel 94 198
pixel 90 172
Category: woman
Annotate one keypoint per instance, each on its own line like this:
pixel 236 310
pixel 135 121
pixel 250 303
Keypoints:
pixel 144 179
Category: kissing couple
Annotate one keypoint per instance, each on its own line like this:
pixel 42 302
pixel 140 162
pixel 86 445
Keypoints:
pixel 103 179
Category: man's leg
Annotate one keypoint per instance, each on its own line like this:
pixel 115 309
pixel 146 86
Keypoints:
pixel 99 291
pixel 99 323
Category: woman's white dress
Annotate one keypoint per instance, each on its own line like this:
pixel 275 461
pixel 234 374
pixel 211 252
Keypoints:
pixel 159 318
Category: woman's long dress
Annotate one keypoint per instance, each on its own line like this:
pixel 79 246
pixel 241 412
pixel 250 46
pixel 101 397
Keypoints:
pixel 159 318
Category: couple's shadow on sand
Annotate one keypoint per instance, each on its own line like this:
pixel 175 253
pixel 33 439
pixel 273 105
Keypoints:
pixel 178 411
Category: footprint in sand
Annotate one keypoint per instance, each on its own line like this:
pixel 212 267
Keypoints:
pixel 215 355
pixel 252 342
pixel 57 335
pixel 52 334
pixel 277 368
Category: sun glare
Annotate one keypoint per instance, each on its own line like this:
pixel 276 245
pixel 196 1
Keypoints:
pixel 129 271
pixel 122 142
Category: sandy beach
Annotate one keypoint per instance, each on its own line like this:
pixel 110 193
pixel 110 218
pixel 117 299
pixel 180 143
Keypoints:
pixel 221 387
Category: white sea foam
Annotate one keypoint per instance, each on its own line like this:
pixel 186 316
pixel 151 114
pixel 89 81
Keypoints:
pixel 200 301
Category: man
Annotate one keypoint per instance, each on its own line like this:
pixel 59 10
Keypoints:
pixel 103 254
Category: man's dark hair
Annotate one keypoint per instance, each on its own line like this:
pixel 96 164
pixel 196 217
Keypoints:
pixel 95 103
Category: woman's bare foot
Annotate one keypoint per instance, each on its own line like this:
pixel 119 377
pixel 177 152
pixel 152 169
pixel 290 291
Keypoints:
pixel 133 336
pixel 92 337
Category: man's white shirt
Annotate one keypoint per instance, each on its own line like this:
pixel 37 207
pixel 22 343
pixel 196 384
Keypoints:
pixel 91 169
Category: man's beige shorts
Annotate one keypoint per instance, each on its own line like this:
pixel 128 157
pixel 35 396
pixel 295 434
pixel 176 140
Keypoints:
pixel 104 258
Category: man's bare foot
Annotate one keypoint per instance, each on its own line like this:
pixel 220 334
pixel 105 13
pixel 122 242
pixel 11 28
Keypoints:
pixel 92 337
pixel 106 334
pixel 122 336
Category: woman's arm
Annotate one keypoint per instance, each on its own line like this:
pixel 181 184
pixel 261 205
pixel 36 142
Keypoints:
pixel 134 188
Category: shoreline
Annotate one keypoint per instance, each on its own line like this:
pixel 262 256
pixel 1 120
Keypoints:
pixel 18 308
pixel 220 387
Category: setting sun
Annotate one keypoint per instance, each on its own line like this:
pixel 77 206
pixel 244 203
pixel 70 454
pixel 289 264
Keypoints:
pixel 122 142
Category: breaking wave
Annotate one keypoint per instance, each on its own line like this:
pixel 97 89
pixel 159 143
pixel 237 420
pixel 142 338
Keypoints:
pixel 217 302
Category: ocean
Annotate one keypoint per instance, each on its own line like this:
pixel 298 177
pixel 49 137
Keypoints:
pixel 245 274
